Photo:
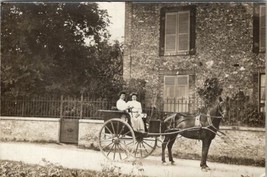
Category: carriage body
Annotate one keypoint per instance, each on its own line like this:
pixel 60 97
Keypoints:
pixel 118 140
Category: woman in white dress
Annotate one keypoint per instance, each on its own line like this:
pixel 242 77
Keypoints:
pixel 136 113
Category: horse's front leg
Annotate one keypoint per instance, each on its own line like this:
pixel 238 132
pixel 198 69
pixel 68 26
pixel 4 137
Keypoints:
pixel 164 144
pixel 205 150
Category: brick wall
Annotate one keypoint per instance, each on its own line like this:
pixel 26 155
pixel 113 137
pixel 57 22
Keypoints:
pixel 224 37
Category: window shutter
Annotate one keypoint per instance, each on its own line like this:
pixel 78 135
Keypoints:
pixel 183 31
pixel 182 87
pixel 192 50
pixel 262 28
pixel 256 28
pixel 170 33
pixel 162 32
pixel 169 87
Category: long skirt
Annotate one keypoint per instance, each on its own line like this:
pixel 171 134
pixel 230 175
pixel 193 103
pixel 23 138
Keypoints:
pixel 137 122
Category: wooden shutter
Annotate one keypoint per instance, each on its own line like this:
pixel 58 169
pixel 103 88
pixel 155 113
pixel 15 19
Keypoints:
pixel 183 30
pixel 182 87
pixel 192 39
pixel 169 87
pixel 262 92
pixel 170 33
pixel 162 32
pixel 256 28
pixel 262 28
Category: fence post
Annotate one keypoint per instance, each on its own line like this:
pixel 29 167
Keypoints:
pixel 61 107
pixel 23 107
pixel 81 110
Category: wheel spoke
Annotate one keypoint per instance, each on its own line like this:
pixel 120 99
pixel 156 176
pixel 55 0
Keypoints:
pixel 105 140
pixel 122 129
pixel 148 144
pixel 114 155
pixel 108 145
pixel 110 149
pixel 140 149
pixel 118 123
pixel 136 149
pixel 130 143
pixel 125 150
pixel 113 128
pixel 127 132
pixel 119 152
pixel 144 147
pixel 109 130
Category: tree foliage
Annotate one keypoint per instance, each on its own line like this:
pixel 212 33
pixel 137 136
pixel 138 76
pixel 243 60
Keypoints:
pixel 44 49
pixel 210 91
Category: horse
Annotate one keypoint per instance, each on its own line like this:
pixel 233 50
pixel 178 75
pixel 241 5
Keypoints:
pixel 201 127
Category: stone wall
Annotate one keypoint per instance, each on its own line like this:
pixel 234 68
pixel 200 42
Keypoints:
pixel 88 133
pixel 29 129
pixel 224 42
pixel 241 145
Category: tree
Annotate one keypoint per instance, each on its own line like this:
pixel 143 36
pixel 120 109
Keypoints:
pixel 44 48
pixel 210 91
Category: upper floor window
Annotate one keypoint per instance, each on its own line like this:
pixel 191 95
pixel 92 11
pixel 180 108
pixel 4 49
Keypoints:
pixel 177 31
pixel 259 28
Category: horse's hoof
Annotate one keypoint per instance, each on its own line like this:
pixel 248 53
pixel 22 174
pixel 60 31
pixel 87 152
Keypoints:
pixel 205 169
pixel 173 163
pixel 164 163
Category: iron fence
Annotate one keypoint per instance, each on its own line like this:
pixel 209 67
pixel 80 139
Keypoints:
pixel 64 106
pixel 239 114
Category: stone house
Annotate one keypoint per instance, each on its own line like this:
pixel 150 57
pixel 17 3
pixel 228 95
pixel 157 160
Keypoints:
pixel 175 47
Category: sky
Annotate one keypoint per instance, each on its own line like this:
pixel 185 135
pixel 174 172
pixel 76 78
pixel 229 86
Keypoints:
pixel 117 12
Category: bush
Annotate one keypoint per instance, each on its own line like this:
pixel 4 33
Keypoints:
pixel 210 91
pixel 242 112
pixel 19 169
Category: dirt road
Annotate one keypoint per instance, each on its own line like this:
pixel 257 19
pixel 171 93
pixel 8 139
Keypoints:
pixel 72 157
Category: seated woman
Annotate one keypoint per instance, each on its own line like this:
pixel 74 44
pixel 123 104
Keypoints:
pixel 121 104
pixel 136 113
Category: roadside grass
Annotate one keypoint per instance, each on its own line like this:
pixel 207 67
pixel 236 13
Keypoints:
pixel 48 169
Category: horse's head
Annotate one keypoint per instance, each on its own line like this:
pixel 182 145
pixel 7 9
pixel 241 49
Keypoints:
pixel 222 107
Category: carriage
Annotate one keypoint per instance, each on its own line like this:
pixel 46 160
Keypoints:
pixel 118 140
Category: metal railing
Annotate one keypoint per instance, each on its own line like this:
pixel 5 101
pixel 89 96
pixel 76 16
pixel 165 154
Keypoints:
pixel 64 106
pixel 239 114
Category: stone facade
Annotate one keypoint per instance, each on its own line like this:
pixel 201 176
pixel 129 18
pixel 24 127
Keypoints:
pixel 223 45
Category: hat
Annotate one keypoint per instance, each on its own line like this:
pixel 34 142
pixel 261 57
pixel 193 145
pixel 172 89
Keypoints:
pixel 133 93
pixel 122 92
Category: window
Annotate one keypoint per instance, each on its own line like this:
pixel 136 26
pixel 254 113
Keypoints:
pixel 177 31
pixel 176 93
pixel 262 92
pixel 259 27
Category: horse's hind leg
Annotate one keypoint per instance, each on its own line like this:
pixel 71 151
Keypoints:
pixel 170 144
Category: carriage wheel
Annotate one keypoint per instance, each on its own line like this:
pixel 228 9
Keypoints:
pixel 144 146
pixel 116 140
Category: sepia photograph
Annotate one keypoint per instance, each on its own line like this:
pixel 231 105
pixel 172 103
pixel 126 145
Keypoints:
pixel 133 89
